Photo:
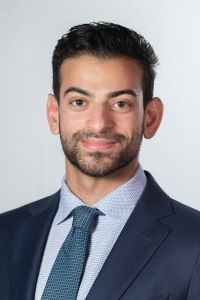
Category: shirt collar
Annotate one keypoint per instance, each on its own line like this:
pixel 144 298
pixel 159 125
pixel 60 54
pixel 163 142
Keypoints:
pixel 117 204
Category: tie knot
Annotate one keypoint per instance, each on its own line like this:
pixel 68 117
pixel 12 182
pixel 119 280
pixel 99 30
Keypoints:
pixel 85 217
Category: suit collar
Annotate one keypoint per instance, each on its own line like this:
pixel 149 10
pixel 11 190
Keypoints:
pixel 155 200
pixel 141 237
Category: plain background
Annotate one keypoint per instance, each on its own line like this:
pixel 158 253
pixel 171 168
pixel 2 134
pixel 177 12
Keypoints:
pixel 31 160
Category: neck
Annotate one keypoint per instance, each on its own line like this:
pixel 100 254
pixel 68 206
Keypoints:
pixel 92 189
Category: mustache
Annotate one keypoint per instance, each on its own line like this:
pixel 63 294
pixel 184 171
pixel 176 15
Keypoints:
pixel 115 137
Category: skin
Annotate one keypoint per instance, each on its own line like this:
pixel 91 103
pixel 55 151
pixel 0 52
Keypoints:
pixel 89 103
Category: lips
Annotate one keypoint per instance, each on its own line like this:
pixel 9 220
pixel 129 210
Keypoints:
pixel 98 144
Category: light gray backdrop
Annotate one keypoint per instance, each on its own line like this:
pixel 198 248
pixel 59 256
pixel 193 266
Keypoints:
pixel 31 160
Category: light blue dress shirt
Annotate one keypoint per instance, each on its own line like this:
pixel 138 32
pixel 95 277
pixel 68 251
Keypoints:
pixel 117 206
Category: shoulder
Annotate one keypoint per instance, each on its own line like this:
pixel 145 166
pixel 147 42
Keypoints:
pixel 181 209
pixel 21 213
pixel 181 218
pixel 186 218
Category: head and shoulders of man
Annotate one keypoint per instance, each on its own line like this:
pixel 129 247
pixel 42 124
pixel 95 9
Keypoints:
pixel 102 106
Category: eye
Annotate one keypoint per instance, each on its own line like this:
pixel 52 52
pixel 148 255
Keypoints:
pixel 121 105
pixel 78 102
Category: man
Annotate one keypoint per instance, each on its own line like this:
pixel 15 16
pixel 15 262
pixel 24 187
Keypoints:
pixel 110 232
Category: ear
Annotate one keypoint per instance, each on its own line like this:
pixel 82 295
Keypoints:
pixel 53 113
pixel 152 117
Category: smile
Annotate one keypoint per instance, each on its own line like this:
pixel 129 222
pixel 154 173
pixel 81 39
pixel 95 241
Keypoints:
pixel 98 144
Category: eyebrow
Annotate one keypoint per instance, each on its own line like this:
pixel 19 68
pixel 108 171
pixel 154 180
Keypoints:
pixel 77 90
pixel 109 95
pixel 122 92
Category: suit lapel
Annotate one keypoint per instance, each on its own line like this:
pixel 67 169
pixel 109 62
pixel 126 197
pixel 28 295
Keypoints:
pixel 29 243
pixel 137 243
pixel 139 240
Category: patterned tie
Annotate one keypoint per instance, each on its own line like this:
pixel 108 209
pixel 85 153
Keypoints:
pixel 66 274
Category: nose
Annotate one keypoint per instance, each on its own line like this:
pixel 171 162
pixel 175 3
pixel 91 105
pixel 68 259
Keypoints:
pixel 100 118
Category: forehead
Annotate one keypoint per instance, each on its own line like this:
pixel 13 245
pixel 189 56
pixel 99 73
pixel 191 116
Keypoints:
pixel 87 71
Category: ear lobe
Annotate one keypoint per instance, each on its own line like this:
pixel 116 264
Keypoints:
pixel 53 114
pixel 152 117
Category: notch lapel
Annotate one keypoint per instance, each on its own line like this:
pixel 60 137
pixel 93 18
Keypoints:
pixel 139 240
pixel 28 247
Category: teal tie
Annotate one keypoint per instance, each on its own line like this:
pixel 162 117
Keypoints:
pixel 66 274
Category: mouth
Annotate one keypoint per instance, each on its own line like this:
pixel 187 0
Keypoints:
pixel 98 144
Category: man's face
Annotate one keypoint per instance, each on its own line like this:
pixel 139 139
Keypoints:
pixel 101 113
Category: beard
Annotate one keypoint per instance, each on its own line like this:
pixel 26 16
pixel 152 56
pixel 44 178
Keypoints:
pixel 97 163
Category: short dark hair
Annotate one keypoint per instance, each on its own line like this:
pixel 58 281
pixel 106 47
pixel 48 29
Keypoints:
pixel 106 40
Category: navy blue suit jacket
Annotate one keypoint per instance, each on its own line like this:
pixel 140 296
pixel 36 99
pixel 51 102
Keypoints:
pixel 156 256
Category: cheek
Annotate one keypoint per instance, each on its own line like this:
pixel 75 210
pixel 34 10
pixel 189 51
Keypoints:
pixel 129 124
pixel 70 124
